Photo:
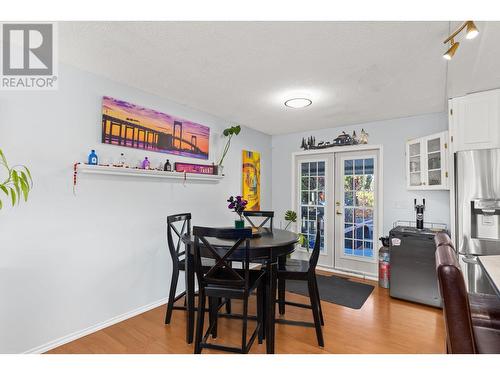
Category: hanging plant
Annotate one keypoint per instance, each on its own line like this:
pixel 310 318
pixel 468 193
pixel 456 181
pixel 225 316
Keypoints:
pixel 18 182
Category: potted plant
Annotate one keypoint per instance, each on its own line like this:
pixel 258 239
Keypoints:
pixel 229 133
pixel 237 205
pixel 17 183
pixel 291 217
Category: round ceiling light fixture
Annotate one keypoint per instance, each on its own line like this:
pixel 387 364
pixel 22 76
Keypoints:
pixel 298 102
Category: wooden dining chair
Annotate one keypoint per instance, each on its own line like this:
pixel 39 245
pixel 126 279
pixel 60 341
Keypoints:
pixel 266 215
pixel 222 281
pixel 303 270
pixel 177 226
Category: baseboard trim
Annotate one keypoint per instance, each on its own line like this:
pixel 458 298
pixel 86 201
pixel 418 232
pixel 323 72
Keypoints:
pixel 96 327
pixel 346 273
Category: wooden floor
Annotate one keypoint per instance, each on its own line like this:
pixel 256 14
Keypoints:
pixel 382 325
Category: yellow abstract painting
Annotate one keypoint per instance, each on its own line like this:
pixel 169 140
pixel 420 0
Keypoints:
pixel 251 179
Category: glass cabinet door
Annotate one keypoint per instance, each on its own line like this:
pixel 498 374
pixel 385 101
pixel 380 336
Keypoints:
pixel 415 165
pixel 434 161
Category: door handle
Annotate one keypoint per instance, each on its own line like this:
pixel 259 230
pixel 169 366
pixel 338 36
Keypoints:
pixel 338 212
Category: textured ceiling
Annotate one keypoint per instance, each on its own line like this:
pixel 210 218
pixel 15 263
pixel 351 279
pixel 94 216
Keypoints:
pixel 243 71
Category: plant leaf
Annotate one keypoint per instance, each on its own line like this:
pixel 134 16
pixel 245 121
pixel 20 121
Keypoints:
pixel 29 174
pixel 2 156
pixel 4 189
pixel 237 129
pixel 13 196
pixel 226 132
pixel 25 189
pixel 15 180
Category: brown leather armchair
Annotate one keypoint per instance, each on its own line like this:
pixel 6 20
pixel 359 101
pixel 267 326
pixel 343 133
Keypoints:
pixel 462 335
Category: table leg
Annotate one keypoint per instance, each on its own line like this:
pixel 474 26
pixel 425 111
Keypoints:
pixel 189 259
pixel 281 285
pixel 271 304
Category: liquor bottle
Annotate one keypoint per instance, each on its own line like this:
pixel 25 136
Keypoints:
pixel 145 163
pixel 93 160
pixel 168 166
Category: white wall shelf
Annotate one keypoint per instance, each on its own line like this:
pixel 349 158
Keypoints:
pixel 122 171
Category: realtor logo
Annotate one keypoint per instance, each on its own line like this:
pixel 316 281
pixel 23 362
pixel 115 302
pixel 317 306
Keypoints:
pixel 28 56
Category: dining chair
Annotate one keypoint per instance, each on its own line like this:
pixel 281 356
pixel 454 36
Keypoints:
pixel 266 215
pixel 223 281
pixel 303 270
pixel 177 226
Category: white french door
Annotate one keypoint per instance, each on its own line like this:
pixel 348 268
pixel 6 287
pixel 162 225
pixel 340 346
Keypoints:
pixel 356 211
pixel 314 196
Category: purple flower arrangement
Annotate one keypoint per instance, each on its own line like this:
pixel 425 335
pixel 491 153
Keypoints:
pixel 237 204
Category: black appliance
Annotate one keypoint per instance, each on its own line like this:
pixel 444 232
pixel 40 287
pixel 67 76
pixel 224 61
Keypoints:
pixel 413 265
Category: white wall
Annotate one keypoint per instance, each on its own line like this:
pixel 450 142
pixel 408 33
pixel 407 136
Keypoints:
pixel 392 134
pixel 70 262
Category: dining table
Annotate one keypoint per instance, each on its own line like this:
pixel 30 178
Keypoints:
pixel 491 267
pixel 269 247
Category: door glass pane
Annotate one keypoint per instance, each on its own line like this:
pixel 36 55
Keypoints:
pixel 433 145
pixel 415 179
pixel 434 160
pixel 312 201
pixel 359 195
pixel 415 149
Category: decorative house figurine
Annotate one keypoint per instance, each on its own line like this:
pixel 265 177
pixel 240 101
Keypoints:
pixel 363 137
pixel 168 166
pixel 343 139
pixel 355 138
pixel 93 160
pixel 145 163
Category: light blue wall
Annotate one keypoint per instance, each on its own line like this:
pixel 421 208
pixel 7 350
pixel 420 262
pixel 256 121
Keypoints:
pixel 392 134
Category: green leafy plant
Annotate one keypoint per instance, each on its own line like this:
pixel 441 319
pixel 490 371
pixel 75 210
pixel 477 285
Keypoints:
pixel 229 133
pixel 290 217
pixel 18 183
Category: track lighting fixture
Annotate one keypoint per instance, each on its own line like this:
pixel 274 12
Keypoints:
pixel 471 32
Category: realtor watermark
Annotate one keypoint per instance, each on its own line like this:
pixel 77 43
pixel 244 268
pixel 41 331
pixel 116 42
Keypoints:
pixel 29 56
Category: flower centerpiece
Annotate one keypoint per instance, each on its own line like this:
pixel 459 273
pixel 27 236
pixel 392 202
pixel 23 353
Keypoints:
pixel 237 205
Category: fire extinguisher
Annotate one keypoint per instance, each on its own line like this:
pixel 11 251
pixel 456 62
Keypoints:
pixel 384 266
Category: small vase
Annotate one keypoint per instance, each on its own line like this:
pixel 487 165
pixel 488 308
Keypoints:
pixel 239 223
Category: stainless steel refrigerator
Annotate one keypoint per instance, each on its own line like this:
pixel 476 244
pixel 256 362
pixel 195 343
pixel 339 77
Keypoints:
pixel 477 200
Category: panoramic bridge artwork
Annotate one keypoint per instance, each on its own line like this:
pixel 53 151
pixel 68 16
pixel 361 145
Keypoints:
pixel 130 125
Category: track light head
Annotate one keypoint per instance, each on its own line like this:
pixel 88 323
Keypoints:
pixel 471 31
pixel 451 51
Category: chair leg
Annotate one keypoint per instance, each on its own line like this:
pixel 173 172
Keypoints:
pixel 171 295
pixel 260 311
pixel 199 322
pixel 281 296
pixel 245 323
pixel 213 305
pixel 315 310
pixel 228 306
pixel 319 301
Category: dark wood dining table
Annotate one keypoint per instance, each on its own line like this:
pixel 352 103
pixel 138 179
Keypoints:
pixel 270 247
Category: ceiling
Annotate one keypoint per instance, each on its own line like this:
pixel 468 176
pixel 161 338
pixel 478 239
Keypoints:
pixel 354 72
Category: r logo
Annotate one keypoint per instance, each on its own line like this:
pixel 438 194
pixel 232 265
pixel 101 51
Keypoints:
pixel 27 50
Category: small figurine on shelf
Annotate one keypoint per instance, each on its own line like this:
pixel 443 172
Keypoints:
pixel 93 160
pixel 363 137
pixel 355 139
pixel 168 166
pixel 145 163
pixel 122 160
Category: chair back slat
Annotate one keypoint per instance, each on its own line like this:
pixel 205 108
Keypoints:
pixel 221 273
pixel 174 234
pixel 267 215
pixel 313 260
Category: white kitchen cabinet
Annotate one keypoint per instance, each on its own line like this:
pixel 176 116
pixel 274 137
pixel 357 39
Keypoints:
pixel 427 162
pixel 475 121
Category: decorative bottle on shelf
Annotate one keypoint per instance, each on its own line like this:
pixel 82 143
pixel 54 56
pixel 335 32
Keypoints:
pixel 168 166
pixel 145 163
pixel 122 160
pixel 93 160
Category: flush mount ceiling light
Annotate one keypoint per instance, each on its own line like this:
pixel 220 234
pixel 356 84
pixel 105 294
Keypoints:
pixel 298 102
pixel 471 32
